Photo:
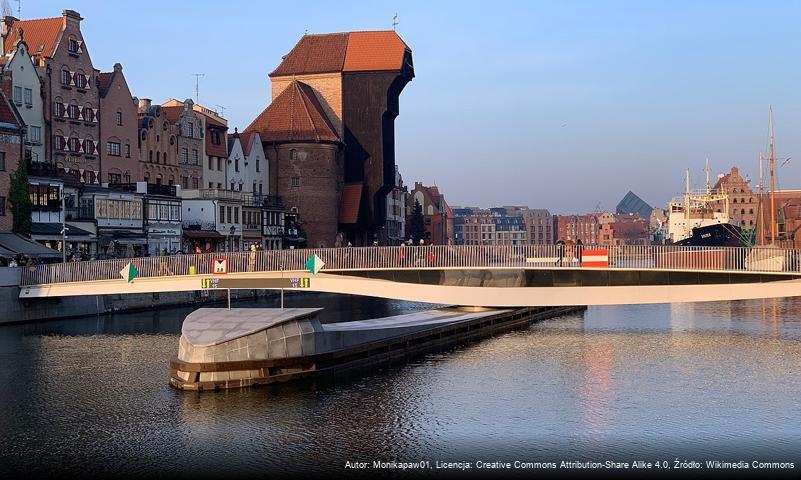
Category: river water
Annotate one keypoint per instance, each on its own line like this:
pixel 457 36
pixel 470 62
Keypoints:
pixel 704 381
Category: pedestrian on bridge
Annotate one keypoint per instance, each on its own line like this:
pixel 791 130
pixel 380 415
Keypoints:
pixel 560 250
pixel 579 250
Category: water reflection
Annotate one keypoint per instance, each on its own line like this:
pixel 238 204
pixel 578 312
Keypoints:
pixel 91 395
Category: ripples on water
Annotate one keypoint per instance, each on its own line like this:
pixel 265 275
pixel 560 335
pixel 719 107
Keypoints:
pixel 713 380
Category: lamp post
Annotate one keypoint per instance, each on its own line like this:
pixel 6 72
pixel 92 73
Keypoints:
pixel 63 225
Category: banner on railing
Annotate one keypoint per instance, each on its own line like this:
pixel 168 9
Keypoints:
pixel 595 258
pixel 220 266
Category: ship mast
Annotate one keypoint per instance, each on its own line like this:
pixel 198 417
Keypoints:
pixel 761 197
pixel 772 181
pixel 708 190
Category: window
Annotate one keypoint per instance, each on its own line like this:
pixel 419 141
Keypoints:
pixel 171 181
pixel 215 137
pixel 66 77
pixel 295 181
pixel 232 186
pixel 114 178
pixel 58 108
pixel 118 118
pixel 220 164
pixel 2 161
pixel 257 164
pixel 73 45
pixel 3 206
pixel 150 156
pixel 127 150
pixel 113 149
pixel 211 184
pixel 35 134
pixel 211 165
pixel 240 187
pixel 222 214
pixel 236 164
pixel 73 111
pixel 254 187
pixel 89 147
pixel 28 97
pixel 88 114
pixel 230 215
pixel 195 160
pixel 184 155
pixel 260 189
pixel 194 183
pixel 191 130
pixel 293 154
pixel 184 182
pixel 236 214
pixel 18 95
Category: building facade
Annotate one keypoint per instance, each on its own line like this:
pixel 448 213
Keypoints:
pixel 158 162
pixel 23 87
pixel 70 91
pixel 577 227
pixel 189 143
pixel 539 226
pixel 11 156
pixel 119 129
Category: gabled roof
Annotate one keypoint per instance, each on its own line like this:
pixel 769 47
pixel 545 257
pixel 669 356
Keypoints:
pixel 10 118
pixel 40 34
pixel 294 116
pixel 171 113
pixel 105 79
pixel 381 50
pixel 247 141
pixel 349 203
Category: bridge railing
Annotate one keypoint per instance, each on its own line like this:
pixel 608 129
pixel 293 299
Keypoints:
pixel 664 257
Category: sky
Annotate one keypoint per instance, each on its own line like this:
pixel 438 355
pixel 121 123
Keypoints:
pixel 564 105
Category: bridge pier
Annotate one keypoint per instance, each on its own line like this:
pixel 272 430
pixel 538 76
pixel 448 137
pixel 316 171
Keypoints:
pixel 241 347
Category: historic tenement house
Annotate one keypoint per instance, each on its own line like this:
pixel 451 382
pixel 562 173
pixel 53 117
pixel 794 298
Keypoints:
pixel 157 141
pixel 189 142
pixel 71 99
pixel 119 147
pixel 329 132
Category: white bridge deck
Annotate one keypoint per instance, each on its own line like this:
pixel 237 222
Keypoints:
pixel 495 276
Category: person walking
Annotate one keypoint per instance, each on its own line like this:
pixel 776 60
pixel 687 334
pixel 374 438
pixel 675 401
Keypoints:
pixel 579 250
pixel 560 250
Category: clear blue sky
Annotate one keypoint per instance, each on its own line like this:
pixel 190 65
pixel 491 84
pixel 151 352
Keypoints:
pixel 561 105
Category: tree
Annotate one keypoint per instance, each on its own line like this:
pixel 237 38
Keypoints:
pixel 20 201
pixel 417 229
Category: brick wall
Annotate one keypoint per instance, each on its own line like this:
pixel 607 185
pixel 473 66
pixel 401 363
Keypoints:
pixel 318 169
pixel 327 87
pixel 119 100
pixel 9 145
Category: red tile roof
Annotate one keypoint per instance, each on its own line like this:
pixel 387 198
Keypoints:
pixel 105 79
pixel 246 138
pixel 8 117
pixel 371 51
pixel 349 203
pixel 344 52
pixel 41 35
pixel 220 149
pixel 172 113
pixel 294 116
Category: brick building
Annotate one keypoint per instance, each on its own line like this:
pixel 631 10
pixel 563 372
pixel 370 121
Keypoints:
pixel 189 141
pixel 158 161
pixel 624 230
pixel 577 227
pixel 11 152
pixel 119 128
pixel 539 227
pixel 743 202
pixel 70 91
pixel 437 215
pixel 337 166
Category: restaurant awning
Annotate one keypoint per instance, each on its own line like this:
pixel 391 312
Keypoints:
pixel 18 244
pixel 202 234
pixel 52 231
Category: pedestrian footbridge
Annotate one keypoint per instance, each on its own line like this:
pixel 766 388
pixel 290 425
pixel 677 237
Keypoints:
pixel 497 276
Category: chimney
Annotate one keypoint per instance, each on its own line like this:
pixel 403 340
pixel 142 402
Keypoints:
pixel 72 17
pixel 144 104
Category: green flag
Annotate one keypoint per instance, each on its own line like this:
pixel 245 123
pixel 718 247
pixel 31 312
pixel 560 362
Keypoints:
pixel 129 272
pixel 314 264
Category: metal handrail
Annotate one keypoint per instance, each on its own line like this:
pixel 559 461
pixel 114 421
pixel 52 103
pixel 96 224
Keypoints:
pixel 646 257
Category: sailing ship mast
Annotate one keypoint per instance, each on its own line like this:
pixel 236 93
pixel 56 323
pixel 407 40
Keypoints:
pixel 772 180
pixel 761 197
